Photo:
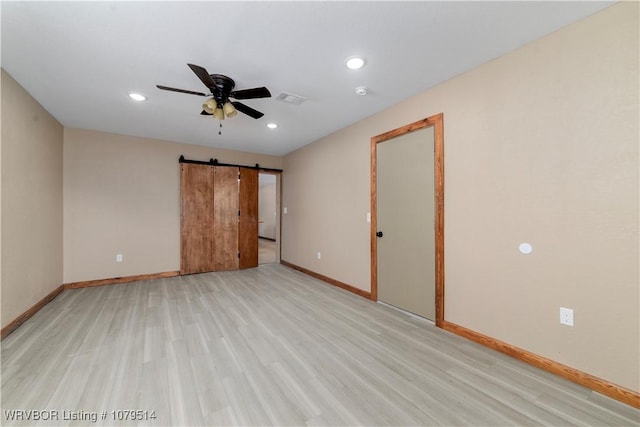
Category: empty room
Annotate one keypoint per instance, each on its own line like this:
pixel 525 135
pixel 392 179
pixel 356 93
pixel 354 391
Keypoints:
pixel 320 213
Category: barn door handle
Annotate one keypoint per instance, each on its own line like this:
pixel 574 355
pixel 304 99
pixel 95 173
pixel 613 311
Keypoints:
pixel 379 234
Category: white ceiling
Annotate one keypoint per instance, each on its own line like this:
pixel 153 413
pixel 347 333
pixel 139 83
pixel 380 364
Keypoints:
pixel 80 59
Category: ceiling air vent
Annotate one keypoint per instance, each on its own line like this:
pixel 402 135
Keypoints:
pixel 291 98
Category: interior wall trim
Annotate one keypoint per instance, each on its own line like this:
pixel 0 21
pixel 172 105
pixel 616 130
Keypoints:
pixel 592 382
pixel 329 280
pixel 30 312
pixel 117 280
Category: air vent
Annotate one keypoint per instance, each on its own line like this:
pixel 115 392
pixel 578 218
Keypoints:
pixel 291 98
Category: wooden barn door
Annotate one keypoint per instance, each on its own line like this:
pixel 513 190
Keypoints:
pixel 225 217
pixel 248 222
pixel 196 218
pixel 218 218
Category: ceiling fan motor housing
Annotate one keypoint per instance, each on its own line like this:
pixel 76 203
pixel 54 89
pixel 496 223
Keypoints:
pixel 225 86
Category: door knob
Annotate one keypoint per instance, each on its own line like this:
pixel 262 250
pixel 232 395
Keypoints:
pixel 379 234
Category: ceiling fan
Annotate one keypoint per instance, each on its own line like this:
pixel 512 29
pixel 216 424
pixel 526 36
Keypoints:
pixel 221 90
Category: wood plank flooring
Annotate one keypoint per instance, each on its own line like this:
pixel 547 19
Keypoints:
pixel 270 346
pixel 266 251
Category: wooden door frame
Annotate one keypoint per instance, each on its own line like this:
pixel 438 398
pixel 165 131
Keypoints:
pixel 278 174
pixel 437 121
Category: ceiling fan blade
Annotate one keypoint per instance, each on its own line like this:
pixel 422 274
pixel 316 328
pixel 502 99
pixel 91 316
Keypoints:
pixel 204 113
pixel 173 89
pixel 247 110
pixel 256 92
pixel 204 76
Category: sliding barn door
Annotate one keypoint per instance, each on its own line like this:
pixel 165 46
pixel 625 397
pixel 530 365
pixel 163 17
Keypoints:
pixel 248 223
pixel 196 219
pixel 225 217
pixel 218 218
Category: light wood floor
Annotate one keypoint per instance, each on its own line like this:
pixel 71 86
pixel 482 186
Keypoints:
pixel 271 346
pixel 266 251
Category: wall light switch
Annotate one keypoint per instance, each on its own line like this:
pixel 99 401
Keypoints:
pixel 284 210
pixel 119 258
pixel 319 255
pixel 368 216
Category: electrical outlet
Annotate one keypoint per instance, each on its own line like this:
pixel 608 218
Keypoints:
pixel 319 255
pixel 119 258
pixel 284 211
pixel 566 316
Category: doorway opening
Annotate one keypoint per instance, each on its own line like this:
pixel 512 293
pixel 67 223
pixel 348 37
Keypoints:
pixel 268 218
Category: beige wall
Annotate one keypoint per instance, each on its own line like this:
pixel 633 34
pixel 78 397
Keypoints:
pixel 31 201
pixel 122 196
pixel 267 209
pixel 541 146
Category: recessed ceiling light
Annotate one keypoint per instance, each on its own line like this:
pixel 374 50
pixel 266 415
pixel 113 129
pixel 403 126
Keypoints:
pixel 272 125
pixel 137 97
pixel 354 62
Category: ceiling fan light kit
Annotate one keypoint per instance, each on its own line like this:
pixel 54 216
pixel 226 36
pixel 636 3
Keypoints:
pixel 209 106
pixel 229 110
pixel 218 114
